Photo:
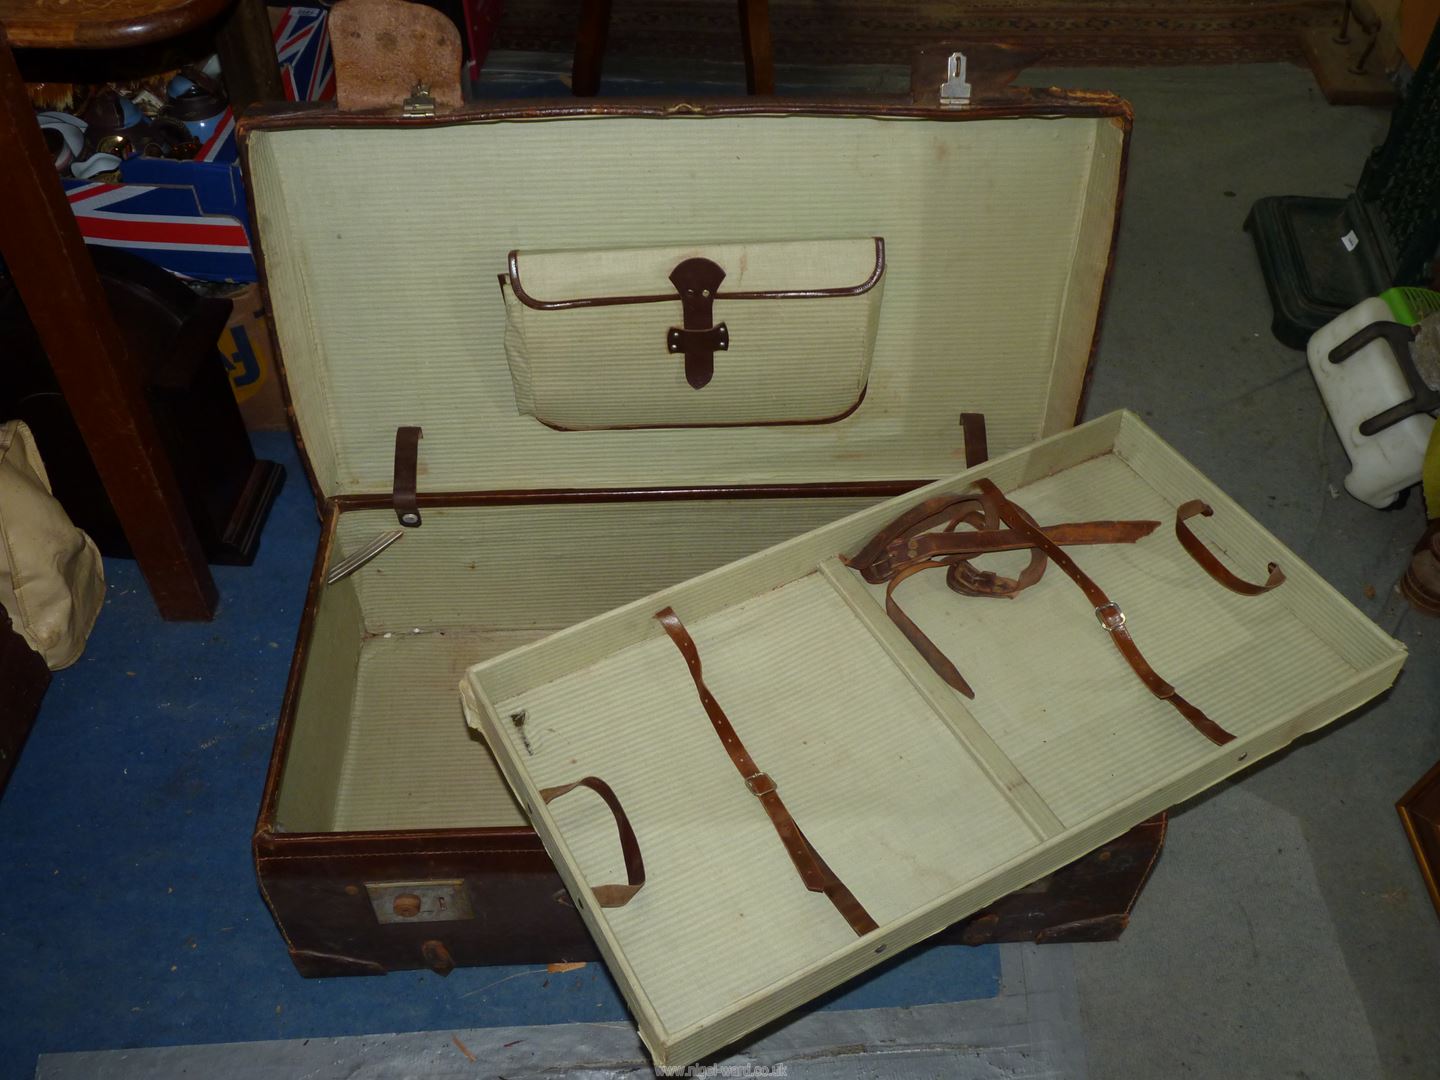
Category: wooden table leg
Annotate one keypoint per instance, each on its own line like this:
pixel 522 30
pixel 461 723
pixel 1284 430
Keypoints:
pixel 590 47
pixel 99 377
pixel 248 64
pixel 755 38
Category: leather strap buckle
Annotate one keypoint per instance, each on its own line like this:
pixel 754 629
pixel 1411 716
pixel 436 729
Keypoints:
pixel 760 784
pixel 1110 616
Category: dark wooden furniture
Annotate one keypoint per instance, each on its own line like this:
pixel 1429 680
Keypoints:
pixel 23 679
pixel 173 331
pixel 42 247
pixel 595 28
pixel 1420 813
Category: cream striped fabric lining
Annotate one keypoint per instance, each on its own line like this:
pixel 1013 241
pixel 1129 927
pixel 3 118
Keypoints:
pixel 383 281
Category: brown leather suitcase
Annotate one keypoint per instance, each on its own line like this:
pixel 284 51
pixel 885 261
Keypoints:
pixel 386 838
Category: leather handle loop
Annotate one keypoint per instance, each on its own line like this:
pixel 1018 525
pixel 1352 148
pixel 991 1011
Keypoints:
pixel 610 896
pixel 1207 558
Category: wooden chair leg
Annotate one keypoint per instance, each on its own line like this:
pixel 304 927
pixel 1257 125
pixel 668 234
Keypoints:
pixel 98 375
pixel 248 64
pixel 590 47
pixel 755 37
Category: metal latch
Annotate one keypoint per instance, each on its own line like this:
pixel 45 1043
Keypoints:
pixel 420 103
pixel 955 91
pixel 419 901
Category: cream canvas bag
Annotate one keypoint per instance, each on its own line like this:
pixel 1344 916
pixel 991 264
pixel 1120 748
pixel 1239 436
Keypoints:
pixel 51 579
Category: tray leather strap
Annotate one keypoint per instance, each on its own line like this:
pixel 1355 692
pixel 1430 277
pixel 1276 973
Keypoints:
pixel 1108 612
pixel 900 551
pixel 813 870
pixel 1207 559
pixel 610 896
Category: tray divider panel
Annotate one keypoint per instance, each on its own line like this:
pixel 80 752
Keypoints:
pixel 1001 770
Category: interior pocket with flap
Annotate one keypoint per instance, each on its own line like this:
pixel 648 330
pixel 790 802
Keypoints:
pixel 775 333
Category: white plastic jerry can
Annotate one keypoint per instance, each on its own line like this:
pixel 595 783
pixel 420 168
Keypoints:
pixel 1358 390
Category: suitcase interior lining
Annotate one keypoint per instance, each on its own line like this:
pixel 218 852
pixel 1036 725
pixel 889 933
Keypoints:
pixel 379 741
pixel 997 232
pixel 1061 749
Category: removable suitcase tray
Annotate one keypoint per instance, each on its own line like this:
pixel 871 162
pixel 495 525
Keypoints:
pixel 924 804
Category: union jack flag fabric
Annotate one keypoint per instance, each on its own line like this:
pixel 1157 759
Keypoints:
pixel 190 216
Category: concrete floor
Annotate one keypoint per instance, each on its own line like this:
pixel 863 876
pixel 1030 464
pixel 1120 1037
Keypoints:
pixel 1286 931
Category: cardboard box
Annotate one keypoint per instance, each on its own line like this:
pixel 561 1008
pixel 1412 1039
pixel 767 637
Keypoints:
pixel 245 345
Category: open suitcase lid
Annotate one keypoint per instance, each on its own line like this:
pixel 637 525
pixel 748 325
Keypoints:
pixel 381 238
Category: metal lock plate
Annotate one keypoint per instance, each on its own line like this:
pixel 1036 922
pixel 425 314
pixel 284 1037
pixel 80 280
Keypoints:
pixel 419 901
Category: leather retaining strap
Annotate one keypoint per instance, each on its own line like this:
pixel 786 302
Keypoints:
pixel 898 551
pixel 1207 560
pixel 817 876
pixel 402 492
pixel 1108 613
pixel 610 895
pixel 972 426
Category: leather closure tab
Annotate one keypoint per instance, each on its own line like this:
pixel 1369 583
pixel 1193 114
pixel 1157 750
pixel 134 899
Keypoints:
pixel 697 280
pixel 402 494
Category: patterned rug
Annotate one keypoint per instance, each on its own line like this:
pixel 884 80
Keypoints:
pixel 1126 33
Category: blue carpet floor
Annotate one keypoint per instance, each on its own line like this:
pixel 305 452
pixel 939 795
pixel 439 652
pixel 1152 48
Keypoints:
pixel 131 916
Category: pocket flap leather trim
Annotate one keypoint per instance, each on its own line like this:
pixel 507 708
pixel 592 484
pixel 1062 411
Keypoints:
pixel 877 271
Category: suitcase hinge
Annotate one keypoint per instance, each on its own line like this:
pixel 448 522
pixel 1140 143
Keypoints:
pixel 420 103
pixel 955 90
